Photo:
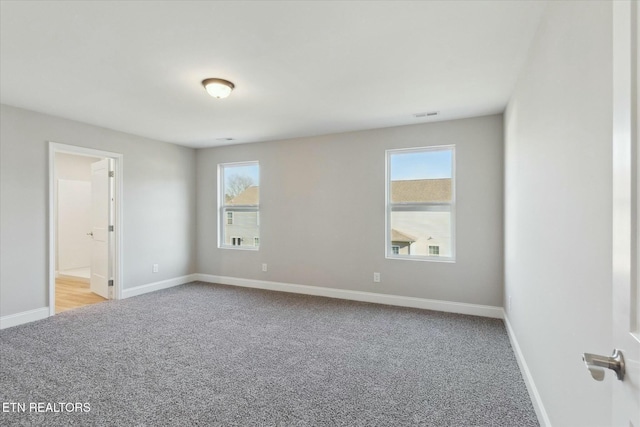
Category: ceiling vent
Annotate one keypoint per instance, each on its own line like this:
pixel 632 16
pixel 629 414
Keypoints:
pixel 430 114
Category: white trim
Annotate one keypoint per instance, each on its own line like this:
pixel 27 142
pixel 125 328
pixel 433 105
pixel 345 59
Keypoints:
pixel 24 317
pixel 543 418
pixel 54 148
pixel 388 208
pixel 221 217
pixel 43 313
pixel 156 286
pixel 397 300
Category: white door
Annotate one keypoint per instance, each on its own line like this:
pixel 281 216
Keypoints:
pixel 626 287
pixel 101 214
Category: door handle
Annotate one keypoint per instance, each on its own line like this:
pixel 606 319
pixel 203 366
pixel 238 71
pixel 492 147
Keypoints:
pixel 90 234
pixel 595 363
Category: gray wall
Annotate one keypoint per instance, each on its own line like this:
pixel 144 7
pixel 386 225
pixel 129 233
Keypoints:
pixel 322 213
pixel 558 201
pixel 159 204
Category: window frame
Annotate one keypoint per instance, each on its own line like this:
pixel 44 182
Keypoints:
pixel 222 206
pixel 420 206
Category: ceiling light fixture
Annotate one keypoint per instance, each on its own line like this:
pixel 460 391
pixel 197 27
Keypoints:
pixel 218 88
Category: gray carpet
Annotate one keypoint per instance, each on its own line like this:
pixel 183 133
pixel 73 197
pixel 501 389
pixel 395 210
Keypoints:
pixel 212 355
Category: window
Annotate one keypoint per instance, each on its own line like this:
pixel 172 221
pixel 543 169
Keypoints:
pixel 239 201
pixel 421 203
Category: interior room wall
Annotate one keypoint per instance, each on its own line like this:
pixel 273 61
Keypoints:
pixel 159 204
pixel 322 213
pixel 558 202
pixel 74 167
pixel 73 203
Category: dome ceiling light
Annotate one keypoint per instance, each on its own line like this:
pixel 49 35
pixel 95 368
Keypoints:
pixel 218 88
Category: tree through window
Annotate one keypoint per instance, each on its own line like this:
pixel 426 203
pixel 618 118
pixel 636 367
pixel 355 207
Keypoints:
pixel 239 199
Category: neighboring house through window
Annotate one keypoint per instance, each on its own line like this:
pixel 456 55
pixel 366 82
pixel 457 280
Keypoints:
pixel 239 201
pixel 421 203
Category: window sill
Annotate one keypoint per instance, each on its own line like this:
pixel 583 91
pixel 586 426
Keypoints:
pixel 239 248
pixel 449 260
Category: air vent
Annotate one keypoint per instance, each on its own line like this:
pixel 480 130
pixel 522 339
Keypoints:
pixel 430 114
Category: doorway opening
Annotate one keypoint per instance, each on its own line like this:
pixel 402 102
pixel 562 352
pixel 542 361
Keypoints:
pixel 84 226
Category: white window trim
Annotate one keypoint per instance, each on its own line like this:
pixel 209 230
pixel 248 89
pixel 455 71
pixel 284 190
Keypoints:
pixel 387 243
pixel 222 218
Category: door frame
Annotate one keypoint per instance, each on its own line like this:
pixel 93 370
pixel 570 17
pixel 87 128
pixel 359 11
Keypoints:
pixel 626 195
pixel 117 158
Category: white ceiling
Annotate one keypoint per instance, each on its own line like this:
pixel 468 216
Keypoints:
pixel 300 68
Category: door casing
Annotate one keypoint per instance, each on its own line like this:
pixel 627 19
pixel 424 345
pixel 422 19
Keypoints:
pixel 625 394
pixel 117 158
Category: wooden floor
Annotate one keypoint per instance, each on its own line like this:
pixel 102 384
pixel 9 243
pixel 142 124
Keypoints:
pixel 73 293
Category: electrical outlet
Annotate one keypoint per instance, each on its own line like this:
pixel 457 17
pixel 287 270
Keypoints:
pixel 376 277
pixel 264 267
pixel 155 268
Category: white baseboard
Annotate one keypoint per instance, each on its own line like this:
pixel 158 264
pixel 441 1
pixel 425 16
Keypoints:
pixel 24 317
pixel 402 301
pixel 43 313
pixel 543 418
pixel 156 286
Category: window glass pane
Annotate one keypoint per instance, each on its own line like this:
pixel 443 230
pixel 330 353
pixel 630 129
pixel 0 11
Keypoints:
pixel 239 195
pixel 244 228
pixel 241 184
pixel 422 176
pixel 414 231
